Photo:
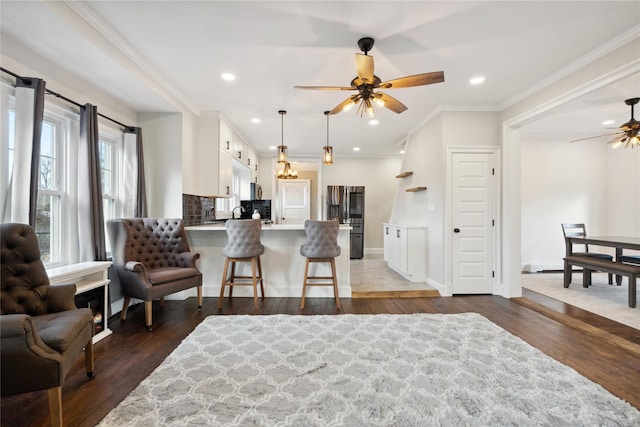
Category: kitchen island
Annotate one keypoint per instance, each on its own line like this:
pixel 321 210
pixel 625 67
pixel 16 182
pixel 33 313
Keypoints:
pixel 282 264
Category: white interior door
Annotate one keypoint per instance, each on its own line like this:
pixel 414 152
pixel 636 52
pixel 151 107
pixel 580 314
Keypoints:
pixel 295 201
pixel 472 223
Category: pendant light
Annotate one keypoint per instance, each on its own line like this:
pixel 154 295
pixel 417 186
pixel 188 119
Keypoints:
pixel 328 150
pixel 282 149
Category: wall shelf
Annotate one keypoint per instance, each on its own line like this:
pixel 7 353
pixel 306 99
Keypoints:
pixel 414 189
pixel 404 174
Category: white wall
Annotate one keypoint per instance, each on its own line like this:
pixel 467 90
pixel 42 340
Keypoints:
pixel 585 182
pixel 162 138
pixel 425 157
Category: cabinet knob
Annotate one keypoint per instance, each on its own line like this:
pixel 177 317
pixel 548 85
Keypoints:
pixel 386 230
pixel 398 233
pixel 456 230
pixel 227 144
pixel 227 190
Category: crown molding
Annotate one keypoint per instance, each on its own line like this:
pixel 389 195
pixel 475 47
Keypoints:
pixel 86 21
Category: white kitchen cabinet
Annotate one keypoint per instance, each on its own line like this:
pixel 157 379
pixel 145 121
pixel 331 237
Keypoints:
pixel 225 137
pixel 225 174
pixel 239 149
pixel 405 250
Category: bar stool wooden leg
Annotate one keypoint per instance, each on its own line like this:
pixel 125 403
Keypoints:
pixel 335 283
pixel 304 284
pixel 232 279
pixel 255 282
pixel 261 279
pixel 224 282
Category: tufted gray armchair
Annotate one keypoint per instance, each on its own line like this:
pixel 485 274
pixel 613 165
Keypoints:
pixel 42 331
pixel 321 246
pixel 152 259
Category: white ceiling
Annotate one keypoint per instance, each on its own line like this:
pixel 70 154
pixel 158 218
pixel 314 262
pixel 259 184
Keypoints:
pixel 163 56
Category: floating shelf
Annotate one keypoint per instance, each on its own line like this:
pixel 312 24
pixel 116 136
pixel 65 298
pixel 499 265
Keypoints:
pixel 414 189
pixel 404 174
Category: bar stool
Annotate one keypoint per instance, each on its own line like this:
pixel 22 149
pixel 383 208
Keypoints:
pixel 243 246
pixel 321 246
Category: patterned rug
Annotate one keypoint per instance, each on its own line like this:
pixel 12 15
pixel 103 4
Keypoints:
pixel 364 370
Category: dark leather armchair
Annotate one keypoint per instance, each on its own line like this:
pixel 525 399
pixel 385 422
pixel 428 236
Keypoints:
pixel 42 331
pixel 152 259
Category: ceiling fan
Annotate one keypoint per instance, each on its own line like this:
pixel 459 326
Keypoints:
pixel 367 82
pixel 627 133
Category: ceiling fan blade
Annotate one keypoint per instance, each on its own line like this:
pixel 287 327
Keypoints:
pixel 415 80
pixel 364 66
pixel 340 107
pixel 390 102
pixel 324 87
pixel 597 136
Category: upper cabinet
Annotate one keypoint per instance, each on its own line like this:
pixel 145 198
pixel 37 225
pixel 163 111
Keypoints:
pixel 208 159
pixel 226 137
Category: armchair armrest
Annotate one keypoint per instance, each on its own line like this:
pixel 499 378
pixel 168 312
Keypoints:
pixel 137 268
pixel 187 259
pixel 61 298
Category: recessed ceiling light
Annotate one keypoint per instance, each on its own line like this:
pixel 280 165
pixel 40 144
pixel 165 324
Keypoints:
pixel 476 80
pixel 356 148
pixel 608 122
pixel 373 122
pixel 228 77
pixel 272 147
pixel 255 120
pixel 401 151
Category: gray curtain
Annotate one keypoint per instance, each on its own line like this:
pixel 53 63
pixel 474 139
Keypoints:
pixel 135 194
pixel 91 232
pixel 21 194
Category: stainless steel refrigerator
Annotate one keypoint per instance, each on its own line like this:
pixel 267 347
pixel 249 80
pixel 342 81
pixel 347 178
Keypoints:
pixel 346 204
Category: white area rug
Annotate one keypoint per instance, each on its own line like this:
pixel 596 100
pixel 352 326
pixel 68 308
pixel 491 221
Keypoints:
pixel 606 300
pixel 364 370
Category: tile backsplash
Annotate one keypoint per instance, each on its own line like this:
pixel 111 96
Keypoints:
pixel 197 209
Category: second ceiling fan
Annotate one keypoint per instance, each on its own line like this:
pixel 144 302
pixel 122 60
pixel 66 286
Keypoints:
pixel 366 83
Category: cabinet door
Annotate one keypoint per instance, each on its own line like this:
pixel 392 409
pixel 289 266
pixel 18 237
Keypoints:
pixel 402 245
pixel 238 151
pixel 387 234
pixel 226 137
pixel 225 174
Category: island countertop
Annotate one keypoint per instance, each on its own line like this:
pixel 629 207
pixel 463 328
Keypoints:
pixel 265 227
pixel 282 263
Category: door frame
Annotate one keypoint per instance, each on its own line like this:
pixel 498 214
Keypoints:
pixel 448 220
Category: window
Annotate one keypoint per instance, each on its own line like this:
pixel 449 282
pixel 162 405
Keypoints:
pixel 50 192
pixel 56 214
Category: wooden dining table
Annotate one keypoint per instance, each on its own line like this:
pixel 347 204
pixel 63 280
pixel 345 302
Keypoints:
pixel 618 242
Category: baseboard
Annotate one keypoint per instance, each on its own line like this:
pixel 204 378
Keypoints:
pixel 536 268
pixel 374 251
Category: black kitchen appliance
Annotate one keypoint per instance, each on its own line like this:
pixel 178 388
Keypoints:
pixel 346 204
pixel 263 206
pixel 255 191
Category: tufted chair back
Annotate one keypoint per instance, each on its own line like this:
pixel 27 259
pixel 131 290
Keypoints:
pixel 154 242
pixel 243 238
pixel 322 239
pixel 25 283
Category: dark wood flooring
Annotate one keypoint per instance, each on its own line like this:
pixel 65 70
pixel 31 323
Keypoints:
pixel 131 353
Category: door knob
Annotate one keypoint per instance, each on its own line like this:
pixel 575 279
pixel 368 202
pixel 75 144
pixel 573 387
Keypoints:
pixel 456 230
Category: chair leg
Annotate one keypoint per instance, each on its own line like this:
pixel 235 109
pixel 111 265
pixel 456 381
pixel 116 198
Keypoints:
pixel 632 290
pixel 199 297
pixel 610 279
pixel 88 358
pixel 586 277
pixel 223 284
pixel 125 306
pixel 567 274
pixel 304 284
pixel 335 283
pixel 261 279
pixel 255 282
pixel 148 311
pixel 55 406
pixel 232 279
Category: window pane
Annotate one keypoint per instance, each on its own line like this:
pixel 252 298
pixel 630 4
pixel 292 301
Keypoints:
pixel 46 173
pixel 106 166
pixel 47 141
pixel 47 228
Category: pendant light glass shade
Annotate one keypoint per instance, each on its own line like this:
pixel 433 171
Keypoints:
pixel 282 149
pixel 287 172
pixel 327 158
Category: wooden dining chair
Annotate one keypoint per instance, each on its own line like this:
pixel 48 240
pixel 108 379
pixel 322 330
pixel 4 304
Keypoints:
pixel 580 230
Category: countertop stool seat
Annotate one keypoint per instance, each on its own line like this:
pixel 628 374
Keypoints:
pixel 321 246
pixel 243 246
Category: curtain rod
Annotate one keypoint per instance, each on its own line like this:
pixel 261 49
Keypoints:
pixel 71 101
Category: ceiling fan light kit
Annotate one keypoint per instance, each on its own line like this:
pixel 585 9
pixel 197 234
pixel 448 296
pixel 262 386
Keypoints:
pixel 366 83
pixel 628 134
